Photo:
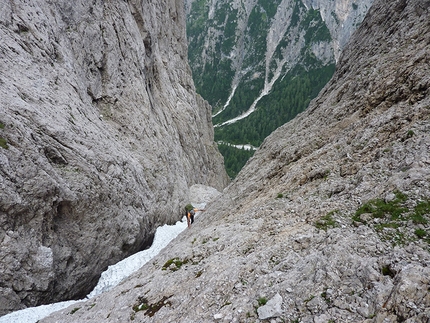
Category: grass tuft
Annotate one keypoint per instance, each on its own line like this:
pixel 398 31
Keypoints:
pixel 394 221
pixel 176 262
pixel 262 301
pixel 3 143
pixel 326 221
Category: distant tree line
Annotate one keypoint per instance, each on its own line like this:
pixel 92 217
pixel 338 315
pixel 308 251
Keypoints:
pixel 234 158
pixel 288 98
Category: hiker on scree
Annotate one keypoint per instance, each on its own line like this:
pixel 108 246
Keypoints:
pixel 191 211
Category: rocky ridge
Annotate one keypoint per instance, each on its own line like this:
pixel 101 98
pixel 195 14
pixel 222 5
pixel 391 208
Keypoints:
pixel 101 134
pixel 329 221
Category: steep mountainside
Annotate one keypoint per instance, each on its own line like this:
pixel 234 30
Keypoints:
pixel 329 221
pixel 259 63
pixel 101 134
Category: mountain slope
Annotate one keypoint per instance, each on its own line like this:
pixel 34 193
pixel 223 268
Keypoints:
pixel 96 148
pixel 348 240
pixel 259 63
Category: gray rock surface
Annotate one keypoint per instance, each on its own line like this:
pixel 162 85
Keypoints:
pixel 272 309
pixel 342 18
pixel 288 224
pixel 101 134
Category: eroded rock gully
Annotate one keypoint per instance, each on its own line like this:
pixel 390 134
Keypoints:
pixel 329 221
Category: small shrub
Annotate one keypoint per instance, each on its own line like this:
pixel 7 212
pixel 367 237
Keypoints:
pixel 326 221
pixel 3 143
pixel 176 261
pixel 386 271
pixel 380 209
pixel 325 297
pixel 75 310
pixel 280 195
pixel 142 305
pixel 2 125
pixel 392 225
pixel 154 308
pixel 393 217
pixel 420 210
pixel 262 301
pixel 418 219
pixel 420 233
pixel 410 134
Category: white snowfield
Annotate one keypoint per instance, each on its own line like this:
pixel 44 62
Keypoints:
pixel 116 273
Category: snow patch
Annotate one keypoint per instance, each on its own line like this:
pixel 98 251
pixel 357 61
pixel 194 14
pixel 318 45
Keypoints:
pixel 199 196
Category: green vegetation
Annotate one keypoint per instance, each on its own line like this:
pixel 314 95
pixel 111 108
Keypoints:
pixel 394 221
pixel 326 297
pixel 387 271
pixel 3 143
pixel 289 97
pixel 142 304
pixel 326 221
pixel 244 96
pixel 75 310
pixel 234 158
pixel 262 301
pixel 174 264
pixel 213 74
pixel 316 29
pixel 421 209
pixel 380 208
pixel 421 233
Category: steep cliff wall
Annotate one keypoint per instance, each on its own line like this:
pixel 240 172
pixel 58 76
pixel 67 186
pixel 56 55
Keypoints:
pixel 329 221
pixel 101 135
pixel 342 18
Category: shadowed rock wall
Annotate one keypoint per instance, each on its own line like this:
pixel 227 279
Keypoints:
pixel 101 134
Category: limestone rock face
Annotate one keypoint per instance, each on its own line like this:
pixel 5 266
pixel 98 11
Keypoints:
pixel 341 17
pixel 101 134
pixel 288 225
